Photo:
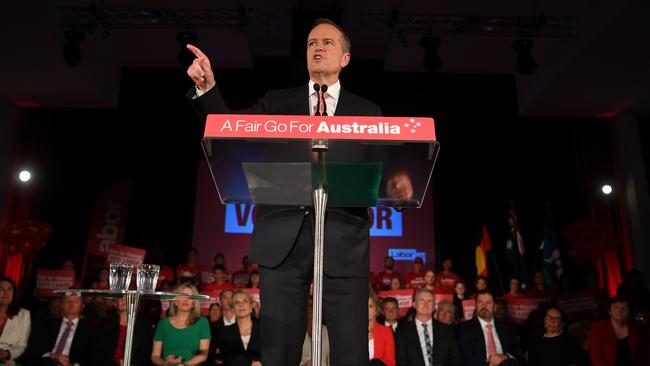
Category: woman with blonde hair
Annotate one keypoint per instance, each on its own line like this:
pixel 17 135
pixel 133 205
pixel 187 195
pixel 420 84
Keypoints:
pixel 183 337
pixel 381 344
pixel 239 343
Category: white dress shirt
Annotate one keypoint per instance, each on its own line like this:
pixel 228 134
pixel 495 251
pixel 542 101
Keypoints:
pixel 230 321
pixel 497 342
pixel 394 325
pixel 332 97
pixel 423 343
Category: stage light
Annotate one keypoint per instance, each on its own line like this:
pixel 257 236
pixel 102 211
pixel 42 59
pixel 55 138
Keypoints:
pixel 607 189
pixel 24 176
pixel 431 61
pixel 525 62
pixel 185 57
pixel 72 46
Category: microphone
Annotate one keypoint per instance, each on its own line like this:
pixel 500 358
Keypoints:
pixel 323 89
pixel 317 90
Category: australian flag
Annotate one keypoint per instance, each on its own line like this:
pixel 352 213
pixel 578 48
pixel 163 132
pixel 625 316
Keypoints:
pixel 516 253
pixel 551 248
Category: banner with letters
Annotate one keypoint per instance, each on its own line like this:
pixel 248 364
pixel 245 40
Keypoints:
pixel 48 280
pixel 519 308
pixel 404 299
pixel 125 254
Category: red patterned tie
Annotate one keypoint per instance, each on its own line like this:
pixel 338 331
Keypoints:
pixel 491 346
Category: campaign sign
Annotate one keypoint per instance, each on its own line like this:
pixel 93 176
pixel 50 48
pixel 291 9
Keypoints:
pixel 520 308
pixel 404 299
pixel 385 221
pixel 468 309
pixel 48 280
pixel 123 254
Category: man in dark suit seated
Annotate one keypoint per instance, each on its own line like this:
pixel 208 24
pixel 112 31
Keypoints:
pixel 61 341
pixel 425 341
pixel 485 340
pixel 282 242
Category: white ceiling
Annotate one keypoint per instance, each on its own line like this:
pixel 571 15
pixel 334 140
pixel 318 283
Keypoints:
pixel 599 72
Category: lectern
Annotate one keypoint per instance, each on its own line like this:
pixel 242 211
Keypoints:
pixel 320 161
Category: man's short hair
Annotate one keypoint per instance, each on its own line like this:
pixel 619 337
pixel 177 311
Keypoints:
pixel 444 303
pixel 422 290
pixel 390 299
pixel 345 40
pixel 219 267
pixel 485 292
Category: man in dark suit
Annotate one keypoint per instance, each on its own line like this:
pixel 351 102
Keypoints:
pixel 61 341
pixel 282 241
pixel 425 341
pixel 485 340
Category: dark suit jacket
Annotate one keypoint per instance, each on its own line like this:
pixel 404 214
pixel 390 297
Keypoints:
pixel 43 338
pixel 106 342
pixel 472 343
pixel 231 348
pixel 277 227
pixel 409 351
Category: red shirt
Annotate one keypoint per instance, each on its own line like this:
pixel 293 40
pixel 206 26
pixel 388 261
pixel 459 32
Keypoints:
pixel 188 272
pixel 509 296
pixel 241 278
pixel 119 350
pixel 383 278
pixel 415 280
pixel 214 287
pixel 447 282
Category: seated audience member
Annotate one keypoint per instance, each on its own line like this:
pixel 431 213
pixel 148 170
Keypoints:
pixel 239 343
pixel 555 347
pixel 486 340
pixel 425 341
pixel 183 337
pixel 254 279
pixel 305 359
pixel 446 313
pixel 15 322
pixel 165 279
pixel 228 315
pixel 214 315
pixel 634 289
pixel 242 277
pixel 381 344
pixel 102 280
pixel 395 284
pixel 447 279
pixel 219 283
pixel 109 344
pixel 539 289
pixel 219 258
pixel 68 265
pixel 514 292
pixel 61 341
pixel 460 294
pixel 430 280
pixel 618 340
pixel 383 278
pixel 391 312
pixel 480 283
pixel 190 271
pixel 415 279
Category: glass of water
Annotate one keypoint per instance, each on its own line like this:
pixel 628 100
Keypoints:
pixel 119 276
pixel 147 277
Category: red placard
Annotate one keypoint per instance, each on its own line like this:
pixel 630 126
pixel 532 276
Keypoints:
pixel 468 309
pixel 573 303
pixel 123 254
pixel 443 297
pixel 48 280
pixel 404 299
pixel 214 298
pixel 320 127
pixel 519 308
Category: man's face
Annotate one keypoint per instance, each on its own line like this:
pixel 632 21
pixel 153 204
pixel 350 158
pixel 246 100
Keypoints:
pixel 481 284
pixel 446 315
pixel 514 285
pixel 390 311
pixel 424 305
pixel 429 278
pixel 417 265
pixel 446 265
pixel 620 311
pixel 72 306
pixel 225 298
pixel 219 276
pixel 388 263
pixel 325 55
pixel 485 307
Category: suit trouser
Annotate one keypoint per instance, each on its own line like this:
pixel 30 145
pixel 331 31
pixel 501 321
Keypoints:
pixel 284 292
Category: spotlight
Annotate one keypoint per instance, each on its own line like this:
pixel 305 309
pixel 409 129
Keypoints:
pixel 72 46
pixel 607 189
pixel 525 62
pixel 24 176
pixel 185 57
pixel 431 61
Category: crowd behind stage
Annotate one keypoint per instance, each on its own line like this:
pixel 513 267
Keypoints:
pixel 432 325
